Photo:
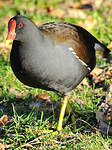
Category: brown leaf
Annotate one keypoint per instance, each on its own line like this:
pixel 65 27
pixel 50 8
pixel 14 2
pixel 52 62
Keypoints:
pixel 97 75
pixel 2 146
pixel 71 4
pixel 58 13
pixel 76 13
pixel 109 72
pixel 96 71
pixel 109 118
pixel 42 96
pixel 49 9
pixel 88 24
pixel 3 120
pixel 110 45
pixel 43 101
pixel 97 3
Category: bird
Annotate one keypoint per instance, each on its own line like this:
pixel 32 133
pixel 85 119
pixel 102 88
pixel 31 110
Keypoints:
pixel 54 56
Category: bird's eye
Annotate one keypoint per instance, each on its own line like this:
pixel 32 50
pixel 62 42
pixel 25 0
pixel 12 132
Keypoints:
pixel 20 25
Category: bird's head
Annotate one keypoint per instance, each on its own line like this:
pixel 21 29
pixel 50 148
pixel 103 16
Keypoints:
pixel 20 28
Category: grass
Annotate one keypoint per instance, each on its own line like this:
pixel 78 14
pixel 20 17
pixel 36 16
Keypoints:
pixel 27 127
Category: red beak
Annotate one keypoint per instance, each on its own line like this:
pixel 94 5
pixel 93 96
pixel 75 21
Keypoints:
pixel 11 30
pixel 11 35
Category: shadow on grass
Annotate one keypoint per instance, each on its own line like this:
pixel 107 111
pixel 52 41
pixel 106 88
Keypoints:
pixel 86 121
pixel 21 106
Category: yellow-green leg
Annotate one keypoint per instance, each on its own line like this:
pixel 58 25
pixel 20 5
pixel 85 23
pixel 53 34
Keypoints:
pixel 65 108
pixel 62 112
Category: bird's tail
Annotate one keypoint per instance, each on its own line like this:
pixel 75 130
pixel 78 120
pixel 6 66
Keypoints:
pixel 100 47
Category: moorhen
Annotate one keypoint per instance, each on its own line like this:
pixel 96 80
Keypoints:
pixel 55 56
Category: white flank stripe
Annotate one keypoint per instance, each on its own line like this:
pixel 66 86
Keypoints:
pixel 72 50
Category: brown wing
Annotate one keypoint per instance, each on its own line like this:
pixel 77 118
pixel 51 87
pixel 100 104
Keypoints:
pixel 73 36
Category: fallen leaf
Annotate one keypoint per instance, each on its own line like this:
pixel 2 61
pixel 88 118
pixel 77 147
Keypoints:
pixel 76 13
pixel 2 146
pixel 42 96
pixel 88 24
pixel 44 103
pixel 98 77
pixel 49 9
pixel 97 3
pixel 109 45
pixel 96 71
pixel 73 4
pixel 3 120
pixel 109 72
pixel 58 13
